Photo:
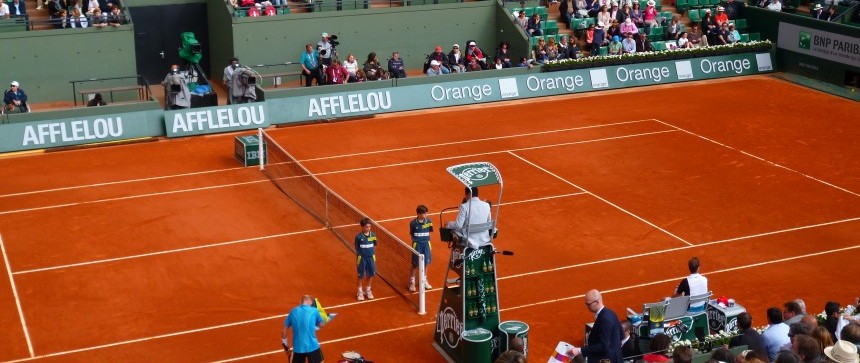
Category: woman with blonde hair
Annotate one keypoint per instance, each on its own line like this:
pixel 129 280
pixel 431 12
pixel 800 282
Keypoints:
pixel 822 336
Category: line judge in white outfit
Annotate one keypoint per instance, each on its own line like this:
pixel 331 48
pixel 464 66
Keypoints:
pixel 693 285
pixel 477 211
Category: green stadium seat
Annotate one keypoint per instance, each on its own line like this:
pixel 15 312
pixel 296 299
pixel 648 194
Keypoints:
pixel 576 24
pixel 534 40
pixel 529 12
pixel 682 5
pixel 666 15
pixel 656 33
pixel 745 38
pixel 550 27
pixel 693 4
pixel 541 10
pixel 603 51
pixel 755 36
pixel 740 24
pixel 658 46
pixel 714 3
pixel 694 16
pixel 285 10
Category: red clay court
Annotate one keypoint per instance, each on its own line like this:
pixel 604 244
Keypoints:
pixel 169 251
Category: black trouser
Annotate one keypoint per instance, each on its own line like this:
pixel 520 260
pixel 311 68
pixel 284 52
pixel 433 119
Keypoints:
pixel 313 74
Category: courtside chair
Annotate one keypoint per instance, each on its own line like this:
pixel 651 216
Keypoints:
pixel 740 24
pixel 696 299
pixel 676 307
pixel 745 38
pixel 604 50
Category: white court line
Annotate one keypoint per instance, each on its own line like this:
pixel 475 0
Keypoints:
pixel 245 240
pixel 550 301
pixel 336 172
pixel 497 152
pixel 15 294
pixel 326 157
pixel 131 197
pixel 184 332
pixel 601 198
pixel 703 244
pixel 475 140
pixel 501 278
pixel 119 182
pixel 761 159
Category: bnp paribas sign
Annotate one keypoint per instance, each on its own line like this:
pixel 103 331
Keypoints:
pixel 818 43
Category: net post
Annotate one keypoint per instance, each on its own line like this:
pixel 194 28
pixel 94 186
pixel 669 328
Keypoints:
pixel 422 305
pixel 260 148
pixel 327 218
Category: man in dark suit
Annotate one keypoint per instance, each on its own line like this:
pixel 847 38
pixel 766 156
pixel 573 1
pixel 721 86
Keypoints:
pixel 630 342
pixel 604 341
pixel 749 337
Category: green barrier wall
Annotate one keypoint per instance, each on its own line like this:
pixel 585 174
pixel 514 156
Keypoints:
pixel 120 122
pixel 45 61
pixel 801 61
pixel 411 30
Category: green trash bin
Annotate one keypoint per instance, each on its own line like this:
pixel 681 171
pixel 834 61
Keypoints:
pixel 511 329
pixel 478 346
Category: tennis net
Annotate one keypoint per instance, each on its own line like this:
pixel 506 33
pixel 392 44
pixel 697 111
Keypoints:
pixel 393 256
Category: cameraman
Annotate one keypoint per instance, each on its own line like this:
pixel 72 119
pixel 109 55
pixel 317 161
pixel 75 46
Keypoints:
pixel 228 73
pixel 311 65
pixel 325 49
pixel 177 95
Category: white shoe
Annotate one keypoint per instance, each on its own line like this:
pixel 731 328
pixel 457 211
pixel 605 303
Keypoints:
pixel 369 294
pixel 360 296
pixel 427 285
pixel 39 8
pixel 412 287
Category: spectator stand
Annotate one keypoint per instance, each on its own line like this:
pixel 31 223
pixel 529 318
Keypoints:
pixel 126 89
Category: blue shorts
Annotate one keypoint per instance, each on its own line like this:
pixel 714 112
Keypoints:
pixel 366 266
pixel 423 248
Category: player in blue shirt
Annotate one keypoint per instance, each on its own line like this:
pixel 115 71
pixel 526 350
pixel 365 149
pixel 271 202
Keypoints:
pixel 365 250
pixel 419 230
pixel 304 320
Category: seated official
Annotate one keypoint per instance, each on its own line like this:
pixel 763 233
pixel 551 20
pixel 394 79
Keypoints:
pixel 473 211
pixel 15 99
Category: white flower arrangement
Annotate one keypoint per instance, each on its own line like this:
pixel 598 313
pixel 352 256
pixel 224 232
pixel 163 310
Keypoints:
pixel 599 60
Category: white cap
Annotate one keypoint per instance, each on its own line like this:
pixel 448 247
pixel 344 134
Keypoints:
pixel 434 63
pixel 324 35
pixel 600 24
pixel 14 83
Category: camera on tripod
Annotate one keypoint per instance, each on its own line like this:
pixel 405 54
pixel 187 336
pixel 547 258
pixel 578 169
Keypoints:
pixel 333 40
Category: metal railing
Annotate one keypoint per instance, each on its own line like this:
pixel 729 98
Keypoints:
pixel 110 86
pixel 337 5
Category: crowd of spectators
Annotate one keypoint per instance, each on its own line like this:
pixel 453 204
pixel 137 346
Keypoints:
pixel 791 336
pixel 321 64
pixel 74 14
